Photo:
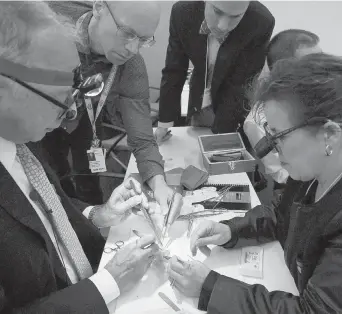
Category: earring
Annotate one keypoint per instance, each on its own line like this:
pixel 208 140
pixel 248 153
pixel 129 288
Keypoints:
pixel 328 150
pixel 97 7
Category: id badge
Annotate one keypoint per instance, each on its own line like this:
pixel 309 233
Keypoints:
pixel 97 160
pixel 206 98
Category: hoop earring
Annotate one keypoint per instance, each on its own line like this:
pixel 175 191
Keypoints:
pixel 328 150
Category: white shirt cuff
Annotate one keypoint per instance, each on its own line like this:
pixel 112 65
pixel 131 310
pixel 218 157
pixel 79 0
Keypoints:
pixel 106 285
pixel 280 176
pixel 87 211
pixel 165 125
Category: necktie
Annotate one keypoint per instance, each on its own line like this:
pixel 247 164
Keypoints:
pixel 59 219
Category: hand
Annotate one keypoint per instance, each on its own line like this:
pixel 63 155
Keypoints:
pixel 119 206
pixel 131 262
pixel 161 135
pixel 188 276
pixel 209 232
pixel 163 195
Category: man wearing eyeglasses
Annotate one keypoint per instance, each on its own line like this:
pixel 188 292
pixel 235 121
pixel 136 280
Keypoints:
pixel 50 248
pixel 112 33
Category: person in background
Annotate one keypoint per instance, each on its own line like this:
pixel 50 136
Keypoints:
pixel 112 33
pixel 50 250
pixel 291 43
pixel 301 99
pixel 226 42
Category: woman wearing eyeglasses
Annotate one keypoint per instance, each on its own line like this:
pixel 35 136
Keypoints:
pixel 302 102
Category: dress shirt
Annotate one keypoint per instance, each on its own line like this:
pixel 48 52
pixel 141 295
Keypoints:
pixel 103 280
pixel 253 127
pixel 127 105
pixel 213 46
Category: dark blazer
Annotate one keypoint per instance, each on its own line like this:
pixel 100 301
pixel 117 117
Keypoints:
pixel 311 236
pixel 239 59
pixel 32 278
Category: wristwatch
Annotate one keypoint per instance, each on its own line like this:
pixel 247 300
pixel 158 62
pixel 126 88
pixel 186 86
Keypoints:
pixel 92 214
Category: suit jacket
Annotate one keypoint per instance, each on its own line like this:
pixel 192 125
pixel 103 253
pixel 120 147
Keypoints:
pixel 311 236
pixel 32 278
pixel 239 59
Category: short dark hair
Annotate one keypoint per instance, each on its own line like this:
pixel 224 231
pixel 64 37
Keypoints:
pixel 285 44
pixel 313 82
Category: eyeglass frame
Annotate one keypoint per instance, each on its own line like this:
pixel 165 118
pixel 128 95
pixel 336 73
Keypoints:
pixel 44 95
pixel 78 85
pixel 271 139
pixel 143 43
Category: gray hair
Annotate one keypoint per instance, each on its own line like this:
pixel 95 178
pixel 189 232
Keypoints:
pixel 20 21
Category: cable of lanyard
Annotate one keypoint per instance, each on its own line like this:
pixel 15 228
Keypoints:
pixel 96 142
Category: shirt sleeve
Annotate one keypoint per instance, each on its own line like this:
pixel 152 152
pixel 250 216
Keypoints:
pixel 86 212
pixel 106 285
pixel 165 125
pixel 207 289
pixel 135 112
pixel 103 280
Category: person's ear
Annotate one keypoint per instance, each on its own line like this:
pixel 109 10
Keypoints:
pixel 331 132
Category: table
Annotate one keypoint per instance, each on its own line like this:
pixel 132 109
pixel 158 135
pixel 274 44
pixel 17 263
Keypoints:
pixel 180 151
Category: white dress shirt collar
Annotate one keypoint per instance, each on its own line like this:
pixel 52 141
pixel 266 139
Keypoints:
pixel 8 151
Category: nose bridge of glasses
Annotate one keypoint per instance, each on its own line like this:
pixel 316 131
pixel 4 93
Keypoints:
pixel 134 39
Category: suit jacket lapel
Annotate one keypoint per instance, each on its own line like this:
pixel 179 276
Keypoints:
pixel 224 59
pixel 17 205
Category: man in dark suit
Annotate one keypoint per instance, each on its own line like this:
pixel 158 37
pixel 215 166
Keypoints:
pixel 226 43
pixel 50 250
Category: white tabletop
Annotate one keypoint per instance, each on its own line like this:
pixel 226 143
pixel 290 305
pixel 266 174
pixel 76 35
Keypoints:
pixel 180 151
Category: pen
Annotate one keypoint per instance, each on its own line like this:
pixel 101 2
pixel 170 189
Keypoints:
pixel 165 227
pixel 148 217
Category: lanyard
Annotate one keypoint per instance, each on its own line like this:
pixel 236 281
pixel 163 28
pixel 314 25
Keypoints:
pixel 103 97
pixel 206 65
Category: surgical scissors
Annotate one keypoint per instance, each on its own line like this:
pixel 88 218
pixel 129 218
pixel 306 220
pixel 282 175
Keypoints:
pixel 118 244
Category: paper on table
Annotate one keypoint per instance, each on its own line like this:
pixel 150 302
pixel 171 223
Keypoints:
pixel 173 162
pixel 252 261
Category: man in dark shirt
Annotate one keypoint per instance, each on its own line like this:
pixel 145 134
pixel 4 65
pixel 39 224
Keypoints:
pixel 112 33
pixel 226 43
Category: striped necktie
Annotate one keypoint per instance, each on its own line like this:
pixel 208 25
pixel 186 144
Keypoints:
pixel 58 217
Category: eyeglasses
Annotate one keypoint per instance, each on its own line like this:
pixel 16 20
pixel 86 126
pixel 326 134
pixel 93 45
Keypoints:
pixel 89 87
pixel 269 141
pixel 129 36
pixel 69 113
